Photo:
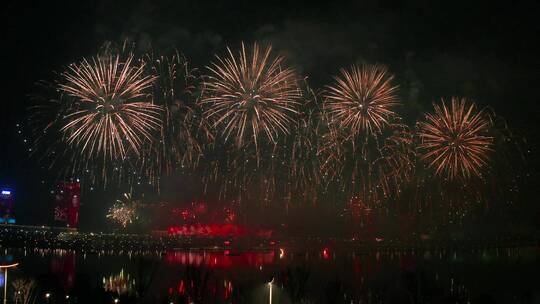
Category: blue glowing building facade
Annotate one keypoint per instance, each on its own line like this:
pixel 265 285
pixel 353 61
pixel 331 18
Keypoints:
pixel 6 207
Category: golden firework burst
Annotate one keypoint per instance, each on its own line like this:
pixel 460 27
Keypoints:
pixel 123 211
pixel 109 110
pixel 250 95
pixel 454 141
pixel 362 99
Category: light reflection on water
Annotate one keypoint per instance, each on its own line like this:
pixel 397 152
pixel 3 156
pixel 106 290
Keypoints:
pixel 506 275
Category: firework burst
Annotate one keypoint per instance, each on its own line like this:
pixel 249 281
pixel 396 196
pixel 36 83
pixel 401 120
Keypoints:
pixel 362 99
pixel 250 95
pixel 366 149
pixel 109 112
pixel 123 211
pixel 454 141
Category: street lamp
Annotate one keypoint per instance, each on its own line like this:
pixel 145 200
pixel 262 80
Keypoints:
pixel 6 267
pixel 48 297
pixel 270 295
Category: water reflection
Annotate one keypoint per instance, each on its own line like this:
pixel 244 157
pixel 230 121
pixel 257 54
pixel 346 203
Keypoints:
pixel 221 259
pixel 119 283
pixel 63 267
pixel 325 275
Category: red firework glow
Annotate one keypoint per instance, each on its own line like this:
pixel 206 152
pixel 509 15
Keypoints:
pixel 211 230
pixel 217 230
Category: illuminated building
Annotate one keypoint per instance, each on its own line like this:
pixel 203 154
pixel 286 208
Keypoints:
pixel 68 200
pixel 6 207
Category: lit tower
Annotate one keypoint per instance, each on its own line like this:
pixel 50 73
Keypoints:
pixel 6 207
pixel 68 200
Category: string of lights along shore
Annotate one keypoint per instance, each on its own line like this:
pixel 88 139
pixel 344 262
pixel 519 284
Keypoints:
pixel 251 124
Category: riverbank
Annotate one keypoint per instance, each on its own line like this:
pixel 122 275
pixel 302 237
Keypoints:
pixel 61 238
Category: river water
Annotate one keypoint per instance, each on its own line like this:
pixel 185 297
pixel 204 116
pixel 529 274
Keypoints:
pixel 322 275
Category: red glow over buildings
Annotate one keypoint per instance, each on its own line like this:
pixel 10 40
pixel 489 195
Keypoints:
pixel 211 230
pixel 199 219
pixel 219 230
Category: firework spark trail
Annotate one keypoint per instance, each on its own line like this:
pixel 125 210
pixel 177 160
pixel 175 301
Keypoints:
pixel 109 112
pixel 184 131
pixel 362 99
pixel 304 172
pixel 303 167
pixel 366 149
pixel 249 95
pixel 250 100
pixel 145 119
pixel 395 163
pixel 454 141
pixel 371 170
pixel 47 116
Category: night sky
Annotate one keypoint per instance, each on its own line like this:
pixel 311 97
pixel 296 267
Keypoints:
pixel 436 49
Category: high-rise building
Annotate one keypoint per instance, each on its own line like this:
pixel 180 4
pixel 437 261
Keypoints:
pixel 6 207
pixel 68 201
